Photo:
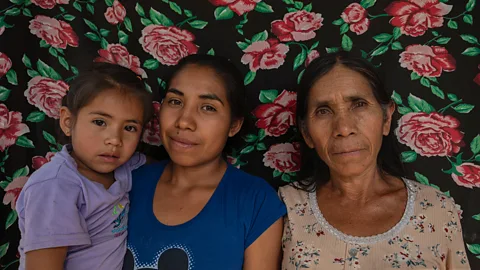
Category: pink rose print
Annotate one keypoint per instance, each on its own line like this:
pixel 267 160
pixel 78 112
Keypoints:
pixel 57 33
pixel 356 16
pixel 314 54
pixel 269 54
pixel 430 134
pixel 297 26
pixel 151 134
pixel 470 177
pixel 277 117
pixel 49 4
pixel 39 161
pixel 233 161
pixel 5 64
pixel 476 79
pixel 415 17
pixel 2 29
pixel 283 157
pixel 46 94
pixel 116 13
pixel 12 191
pixel 11 127
pixel 118 54
pixel 238 6
pixel 427 61
pixel 167 44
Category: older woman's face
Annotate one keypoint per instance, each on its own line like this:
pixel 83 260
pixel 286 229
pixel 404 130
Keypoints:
pixel 344 122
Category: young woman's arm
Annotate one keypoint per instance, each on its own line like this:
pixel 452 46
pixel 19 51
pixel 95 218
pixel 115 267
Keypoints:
pixel 265 252
pixel 46 259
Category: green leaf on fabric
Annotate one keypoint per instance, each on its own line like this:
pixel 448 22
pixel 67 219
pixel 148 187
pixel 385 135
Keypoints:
pixel 247 149
pixel 414 76
pixel 13 12
pixel 435 186
pixel 176 8
pixel 44 44
pixel 452 24
pixel 12 77
pixel 4 93
pixel 299 77
pixel 338 22
pixel 4 249
pixel 139 9
pixel 23 141
pixel 188 13
pixel 344 28
pixel 397 98
pixel 250 138
pixel 474 248
pixel 11 218
pixel 397 46
pixel 249 78
pixel 314 45
pixel 425 82
pixel 433 79
pixel 91 25
pixel 17 2
pixel 223 13
pixel 104 32
pixel 300 59
pixel 464 108
pixel 286 178
pixel 26 61
pixel 347 43
pixel 261 134
pixel 404 110
pixel 74 70
pixel 109 3
pixel 477 158
pixel 103 43
pixel 437 91
pixel 47 71
pixel 69 17
pixel 383 37
pixel 422 179
pixel 211 52
pixel 435 33
pixel 419 105
pixel 469 38
pixel 262 36
pixel 159 18
pixel 268 96
pixel 472 51
pixel 397 32
pixel 470 5
pixel 242 45
pixel 198 24
pixel 128 24
pixel 36 117
pixel 408 156
pixel 290 9
pixel 90 8
pixel 367 3
pixel 77 6
pixel 475 145
pixel 21 172
pixel 298 4
pixel 122 37
pixel 380 50
pixel 308 7
pixel 452 97
pixel 364 54
pixel 53 52
pixel 146 22
pixel 4 184
pixel 468 19
pixel 151 64
pixel 32 73
pixel 476 217
pixel 28 13
pixel 263 7
pixel 276 173
pixel 49 138
pixel 443 40
pixel 332 49
pixel 261 146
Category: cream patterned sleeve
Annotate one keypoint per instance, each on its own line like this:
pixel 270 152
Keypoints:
pixel 457 255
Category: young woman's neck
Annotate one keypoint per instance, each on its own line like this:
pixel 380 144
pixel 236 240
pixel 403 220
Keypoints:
pixel 204 174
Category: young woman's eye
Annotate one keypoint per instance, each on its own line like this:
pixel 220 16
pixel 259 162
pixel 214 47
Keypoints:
pixel 130 128
pixel 174 102
pixel 99 123
pixel 209 108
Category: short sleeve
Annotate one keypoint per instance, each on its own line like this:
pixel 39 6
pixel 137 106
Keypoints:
pixel 51 216
pixel 263 207
pixel 457 255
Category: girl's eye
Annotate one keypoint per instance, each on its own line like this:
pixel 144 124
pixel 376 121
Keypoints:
pixel 99 123
pixel 131 128
pixel 174 102
pixel 209 108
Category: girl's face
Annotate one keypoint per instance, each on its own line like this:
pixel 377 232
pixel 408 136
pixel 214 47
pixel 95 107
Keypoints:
pixel 195 119
pixel 105 133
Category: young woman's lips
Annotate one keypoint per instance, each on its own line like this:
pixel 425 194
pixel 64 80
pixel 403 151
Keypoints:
pixel 182 142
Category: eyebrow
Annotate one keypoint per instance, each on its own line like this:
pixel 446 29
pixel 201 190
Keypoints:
pixel 321 103
pixel 106 115
pixel 203 96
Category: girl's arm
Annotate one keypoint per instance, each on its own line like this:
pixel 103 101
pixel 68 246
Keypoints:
pixel 265 252
pixel 46 259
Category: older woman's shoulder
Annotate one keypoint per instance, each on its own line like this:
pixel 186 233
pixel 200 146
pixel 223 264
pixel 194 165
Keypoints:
pixel 293 193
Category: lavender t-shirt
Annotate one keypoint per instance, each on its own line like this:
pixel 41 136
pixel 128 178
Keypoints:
pixel 60 207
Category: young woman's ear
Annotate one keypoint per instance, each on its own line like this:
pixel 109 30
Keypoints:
pixel 66 121
pixel 235 127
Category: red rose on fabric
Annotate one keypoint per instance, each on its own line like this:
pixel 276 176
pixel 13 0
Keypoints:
pixel 49 4
pixel 233 161
pixel 12 191
pixel 118 54
pixel 470 175
pixel 57 33
pixel 415 17
pixel 430 134
pixel 11 127
pixel 298 26
pixel 5 64
pixel 476 79
pixel 39 161
pixel 269 54
pixel 277 117
pixel 283 157
pixel 238 6
pixel 151 133
pixel 167 44
pixel 314 54
pixel 116 13
pixel 427 61
pixel 46 94
pixel 356 16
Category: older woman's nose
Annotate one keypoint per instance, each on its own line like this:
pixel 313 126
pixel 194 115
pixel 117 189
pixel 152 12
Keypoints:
pixel 344 125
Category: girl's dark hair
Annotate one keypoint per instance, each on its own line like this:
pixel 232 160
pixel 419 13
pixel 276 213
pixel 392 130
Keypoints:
pixel 101 77
pixel 313 170
pixel 231 77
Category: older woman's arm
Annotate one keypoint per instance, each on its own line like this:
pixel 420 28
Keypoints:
pixel 265 252
pixel 457 255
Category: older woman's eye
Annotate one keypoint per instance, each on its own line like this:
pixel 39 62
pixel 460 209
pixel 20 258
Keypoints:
pixel 322 111
pixel 360 104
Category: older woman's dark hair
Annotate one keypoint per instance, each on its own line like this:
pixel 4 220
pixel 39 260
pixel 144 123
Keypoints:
pixel 313 170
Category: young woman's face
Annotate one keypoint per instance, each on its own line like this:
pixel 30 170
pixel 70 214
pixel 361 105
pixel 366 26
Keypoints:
pixel 195 118
pixel 106 132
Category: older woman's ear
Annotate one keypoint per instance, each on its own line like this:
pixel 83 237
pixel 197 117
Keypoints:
pixel 390 109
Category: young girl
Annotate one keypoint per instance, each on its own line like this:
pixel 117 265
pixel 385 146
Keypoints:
pixel 195 211
pixel 73 211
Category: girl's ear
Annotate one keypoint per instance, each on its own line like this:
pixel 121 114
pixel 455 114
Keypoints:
pixel 235 127
pixel 66 121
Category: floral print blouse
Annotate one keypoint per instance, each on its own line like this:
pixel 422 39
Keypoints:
pixel 429 236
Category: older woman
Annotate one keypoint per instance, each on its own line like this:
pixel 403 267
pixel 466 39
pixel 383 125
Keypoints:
pixel 352 207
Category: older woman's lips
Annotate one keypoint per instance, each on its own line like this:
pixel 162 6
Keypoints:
pixel 349 152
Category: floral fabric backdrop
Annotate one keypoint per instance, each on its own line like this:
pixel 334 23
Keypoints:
pixel 427 50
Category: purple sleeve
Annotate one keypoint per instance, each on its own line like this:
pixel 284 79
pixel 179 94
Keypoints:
pixel 52 217
pixel 137 160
